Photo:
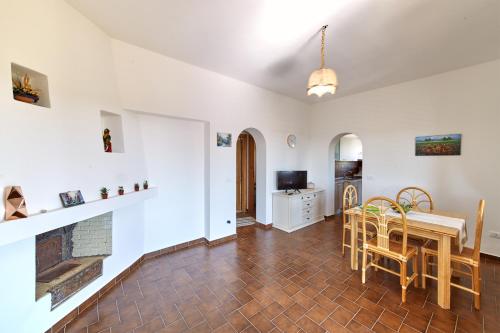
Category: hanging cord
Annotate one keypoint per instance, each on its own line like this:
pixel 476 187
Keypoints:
pixel 323 46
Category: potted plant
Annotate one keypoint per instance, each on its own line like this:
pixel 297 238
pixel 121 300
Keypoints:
pixel 121 191
pixel 22 90
pixel 104 192
pixel 137 187
pixel 145 185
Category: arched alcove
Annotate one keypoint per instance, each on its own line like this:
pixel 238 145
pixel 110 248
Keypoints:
pixel 260 173
pixel 333 156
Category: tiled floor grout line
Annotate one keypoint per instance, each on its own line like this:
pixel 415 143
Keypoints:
pixel 139 312
pixel 378 318
pixel 429 323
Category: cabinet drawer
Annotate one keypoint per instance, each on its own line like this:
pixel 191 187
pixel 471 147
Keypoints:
pixel 307 219
pixel 306 197
pixel 307 212
pixel 307 204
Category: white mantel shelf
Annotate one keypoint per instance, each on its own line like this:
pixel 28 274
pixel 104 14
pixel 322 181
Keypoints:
pixel 16 230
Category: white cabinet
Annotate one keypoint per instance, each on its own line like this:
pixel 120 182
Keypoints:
pixel 298 210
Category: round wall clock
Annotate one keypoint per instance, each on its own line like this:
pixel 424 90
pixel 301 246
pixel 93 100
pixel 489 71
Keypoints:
pixel 291 140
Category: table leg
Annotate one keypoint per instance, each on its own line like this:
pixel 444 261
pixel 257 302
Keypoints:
pixel 444 271
pixel 354 242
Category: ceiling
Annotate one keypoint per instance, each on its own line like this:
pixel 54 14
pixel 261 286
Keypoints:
pixel 274 44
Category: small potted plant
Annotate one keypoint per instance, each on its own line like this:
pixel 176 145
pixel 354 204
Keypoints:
pixel 121 191
pixel 145 185
pixel 104 192
pixel 137 187
pixel 22 90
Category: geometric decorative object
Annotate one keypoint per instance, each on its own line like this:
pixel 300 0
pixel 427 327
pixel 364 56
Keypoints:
pixel 322 80
pixel 15 205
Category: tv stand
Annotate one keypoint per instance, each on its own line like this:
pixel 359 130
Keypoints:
pixel 298 209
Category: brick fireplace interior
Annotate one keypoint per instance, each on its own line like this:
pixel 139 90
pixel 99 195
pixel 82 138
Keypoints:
pixel 69 258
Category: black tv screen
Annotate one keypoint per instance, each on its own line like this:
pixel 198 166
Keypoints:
pixel 292 180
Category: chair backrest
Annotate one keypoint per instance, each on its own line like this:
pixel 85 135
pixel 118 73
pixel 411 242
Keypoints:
pixel 385 216
pixel 417 197
pixel 479 230
pixel 349 200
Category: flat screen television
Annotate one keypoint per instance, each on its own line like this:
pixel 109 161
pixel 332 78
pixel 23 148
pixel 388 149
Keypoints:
pixel 292 180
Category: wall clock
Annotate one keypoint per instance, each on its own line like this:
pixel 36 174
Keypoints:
pixel 291 140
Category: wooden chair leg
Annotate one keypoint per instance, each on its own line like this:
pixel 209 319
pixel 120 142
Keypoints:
pixel 415 271
pixel 343 241
pixel 424 269
pixel 363 267
pixel 403 281
pixel 376 259
pixel 476 285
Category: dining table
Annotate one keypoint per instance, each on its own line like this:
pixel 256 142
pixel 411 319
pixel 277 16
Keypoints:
pixel 441 226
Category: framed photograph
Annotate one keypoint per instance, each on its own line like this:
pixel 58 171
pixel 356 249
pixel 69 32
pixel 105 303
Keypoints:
pixel 223 139
pixel 71 198
pixel 436 145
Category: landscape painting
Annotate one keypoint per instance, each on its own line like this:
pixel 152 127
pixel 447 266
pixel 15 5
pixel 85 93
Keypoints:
pixel 223 139
pixel 434 145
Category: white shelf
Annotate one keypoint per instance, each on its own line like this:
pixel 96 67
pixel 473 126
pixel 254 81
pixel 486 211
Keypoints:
pixel 16 230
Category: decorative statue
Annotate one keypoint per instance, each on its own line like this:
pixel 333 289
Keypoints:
pixel 106 138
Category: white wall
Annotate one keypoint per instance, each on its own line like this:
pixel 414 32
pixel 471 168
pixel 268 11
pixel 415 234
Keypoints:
pixel 51 150
pixel 387 121
pixel 174 155
pixel 351 148
pixel 152 83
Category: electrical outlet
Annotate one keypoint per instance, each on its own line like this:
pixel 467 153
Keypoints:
pixel 495 234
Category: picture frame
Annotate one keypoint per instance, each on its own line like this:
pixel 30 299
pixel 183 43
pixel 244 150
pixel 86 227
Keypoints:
pixel 438 145
pixel 224 139
pixel 71 198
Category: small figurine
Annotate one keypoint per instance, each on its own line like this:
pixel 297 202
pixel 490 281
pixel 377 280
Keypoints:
pixel 106 138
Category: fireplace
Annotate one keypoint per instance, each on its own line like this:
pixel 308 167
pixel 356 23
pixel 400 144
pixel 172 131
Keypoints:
pixel 71 257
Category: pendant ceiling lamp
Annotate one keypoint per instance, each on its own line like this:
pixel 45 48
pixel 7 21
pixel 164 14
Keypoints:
pixel 322 80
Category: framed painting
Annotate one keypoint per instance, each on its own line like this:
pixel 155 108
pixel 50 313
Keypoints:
pixel 71 198
pixel 436 145
pixel 224 139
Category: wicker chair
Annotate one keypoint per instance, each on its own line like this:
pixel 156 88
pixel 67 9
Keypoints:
pixel 467 259
pixel 349 200
pixel 377 213
pixel 418 198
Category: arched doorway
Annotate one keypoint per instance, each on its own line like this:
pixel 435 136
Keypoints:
pixel 345 167
pixel 250 178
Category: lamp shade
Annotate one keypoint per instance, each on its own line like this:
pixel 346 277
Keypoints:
pixel 322 81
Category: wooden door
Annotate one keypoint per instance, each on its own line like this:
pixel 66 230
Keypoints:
pixel 241 173
pixel 245 174
pixel 251 177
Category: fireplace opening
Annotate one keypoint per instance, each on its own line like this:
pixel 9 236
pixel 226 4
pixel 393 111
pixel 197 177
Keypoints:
pixel 71 257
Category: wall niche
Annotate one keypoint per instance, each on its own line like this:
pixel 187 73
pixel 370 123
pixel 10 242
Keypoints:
pixel 112 132
pixel 29 86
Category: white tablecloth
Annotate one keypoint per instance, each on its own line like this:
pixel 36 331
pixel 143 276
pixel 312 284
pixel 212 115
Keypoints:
pixel 446 221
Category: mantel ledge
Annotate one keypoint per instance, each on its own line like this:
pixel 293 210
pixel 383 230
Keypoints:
pixel 16 230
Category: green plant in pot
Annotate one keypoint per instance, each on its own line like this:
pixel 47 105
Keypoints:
pixel 121 190
pixel 145 185
pixel 405 206
pixel 137 187
pixel 104 192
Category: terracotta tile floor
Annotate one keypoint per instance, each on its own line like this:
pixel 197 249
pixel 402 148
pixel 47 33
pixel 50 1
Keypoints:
pixel 271 281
